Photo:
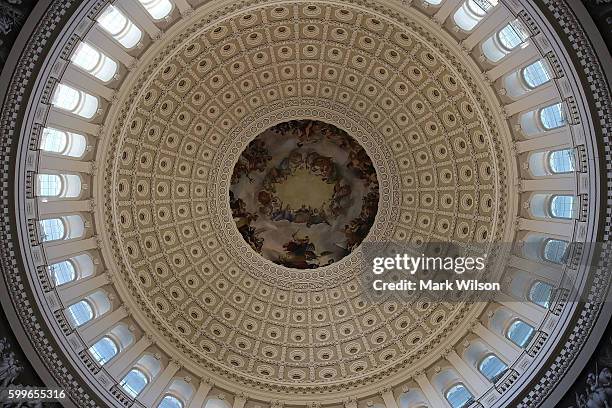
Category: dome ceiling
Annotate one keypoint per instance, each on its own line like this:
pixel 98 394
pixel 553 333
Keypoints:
pixel 171 161
pixel 196 198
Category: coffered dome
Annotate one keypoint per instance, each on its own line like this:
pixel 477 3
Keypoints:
pixel 197 184
pixel 168 165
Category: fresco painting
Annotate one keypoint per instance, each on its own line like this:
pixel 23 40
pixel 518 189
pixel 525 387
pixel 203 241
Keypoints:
pixel 304 194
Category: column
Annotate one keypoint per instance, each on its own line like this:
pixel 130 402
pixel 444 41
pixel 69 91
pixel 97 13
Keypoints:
pixel 546 272
pixel 57 118
pixel 155 389
pixel 446 9
pixel 62 207
pixel 551 227
pixel 566 183
pixel 556 139
pixel 63 250
pixel 118 365
pixel 239 401
pixel 50 162
pixel 495 20
pixel 547 93
pixel 429 391
pixel 83 81
pixel 502 346
pixel 528 311
pixel 183 6
pixel 101 325
pixel 200 396
pixel 352 403
pixel 140 16
pixel 470 374
pixel 389 399
pixel 516 59
pixel 70 292
pixel 109 46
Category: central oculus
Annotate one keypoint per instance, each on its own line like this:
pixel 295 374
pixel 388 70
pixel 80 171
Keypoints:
pixel 304 194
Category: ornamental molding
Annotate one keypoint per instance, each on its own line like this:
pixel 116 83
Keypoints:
pixel 53 355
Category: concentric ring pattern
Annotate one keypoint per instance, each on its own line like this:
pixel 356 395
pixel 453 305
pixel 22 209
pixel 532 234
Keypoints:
pixel 387 82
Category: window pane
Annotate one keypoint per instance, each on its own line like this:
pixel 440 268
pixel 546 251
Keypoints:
pixel 94 62
pixel 119 26
pixel 52 229
pixel 536 74
pixel 458 396
pixel 540 293
pixel 520 333
pixel 62 272
pixel 53 140
pixel 80 313
pixel 555 250
pixel 49 185
pixel 75 101
pixel 158 9
pixel 562 206
pixel 113 20
pixel 562 161
pixel 471 13
pixel 170 402
pixel 103 350
pixel 553 117
pixel 513 35
pixel 66 97
pixel 492 367
pixel 134 382
pixel 86 57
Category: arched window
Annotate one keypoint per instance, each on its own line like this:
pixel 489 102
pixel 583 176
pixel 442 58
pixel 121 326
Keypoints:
pixel 536 74
pixel 123 335
pixel 458 396
pixel 134 382
pixel 562 161
pixel 67 227
pixel 103 350
pixel 179 392
pixel 520 333
pixel 492 367
pixel 563 206
pixel 62 272
pixel 80 313
pixel 553 117
pixel 94 62
pixel 58 185
pixel 49 185
pixel 61 142
pixel 72 185
pixel 472 12
pixel 74 101
pixel 119 27
pixel 412 397
pixel 540 293
pixel 52 229
pixel 158 9
pixel 555 250
pixel 512 35
pixel 84 265
pixel 100 301
pixel 504 41
pixel 216 403
pixel 170 401
pixel 53 140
